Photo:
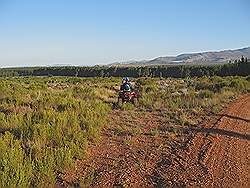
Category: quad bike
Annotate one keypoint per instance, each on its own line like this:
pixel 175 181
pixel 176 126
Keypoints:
pixel 128 97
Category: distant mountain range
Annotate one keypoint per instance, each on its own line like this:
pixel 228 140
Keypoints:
pixel 203 58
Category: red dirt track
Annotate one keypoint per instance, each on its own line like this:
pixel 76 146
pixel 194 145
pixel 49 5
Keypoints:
pixel 217 155
pixel 228 157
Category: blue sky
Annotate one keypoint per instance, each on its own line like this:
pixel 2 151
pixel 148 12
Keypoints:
pixel 89 32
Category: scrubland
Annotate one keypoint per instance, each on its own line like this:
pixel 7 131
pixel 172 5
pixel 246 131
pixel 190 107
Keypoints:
pixel 47 123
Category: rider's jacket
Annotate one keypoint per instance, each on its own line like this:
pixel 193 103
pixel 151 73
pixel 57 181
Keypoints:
pixel 126 87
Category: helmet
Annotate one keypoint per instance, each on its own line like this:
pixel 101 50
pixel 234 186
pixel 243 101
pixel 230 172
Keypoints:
pixel 126 79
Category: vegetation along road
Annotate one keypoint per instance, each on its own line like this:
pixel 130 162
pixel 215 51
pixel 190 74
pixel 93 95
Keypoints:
pixel 137 149
pixel 70 132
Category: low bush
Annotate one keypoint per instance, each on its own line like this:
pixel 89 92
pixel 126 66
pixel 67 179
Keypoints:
pixel 44 128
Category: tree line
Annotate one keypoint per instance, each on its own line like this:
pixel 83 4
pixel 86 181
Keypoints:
pixel 239 67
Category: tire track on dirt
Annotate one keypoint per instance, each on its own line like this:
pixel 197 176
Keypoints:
pixel 219 153
pixel 217 156
pixel 228 157
pixel 125 155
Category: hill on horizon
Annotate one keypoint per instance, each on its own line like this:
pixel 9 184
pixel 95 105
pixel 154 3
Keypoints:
pixel 201 58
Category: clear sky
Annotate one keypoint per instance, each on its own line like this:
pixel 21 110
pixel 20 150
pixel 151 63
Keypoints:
pixel 88 32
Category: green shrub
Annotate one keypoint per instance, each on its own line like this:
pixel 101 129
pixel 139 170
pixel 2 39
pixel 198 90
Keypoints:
pixel 48 128
pixel 127 106
pixel 205 94
pixel 240 84
pixel 16 167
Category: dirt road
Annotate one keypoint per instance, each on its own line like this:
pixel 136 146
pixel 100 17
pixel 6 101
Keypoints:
pixel 228 160
pixel 132 152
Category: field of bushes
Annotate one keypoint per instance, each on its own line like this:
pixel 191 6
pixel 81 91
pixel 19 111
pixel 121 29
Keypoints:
pixel 183 99
pixel 46 123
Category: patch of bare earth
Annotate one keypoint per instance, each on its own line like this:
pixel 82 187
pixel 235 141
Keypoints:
pixel 132 152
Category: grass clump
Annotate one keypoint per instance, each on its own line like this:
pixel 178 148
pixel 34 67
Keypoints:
pixel 45 127
pixel 184 101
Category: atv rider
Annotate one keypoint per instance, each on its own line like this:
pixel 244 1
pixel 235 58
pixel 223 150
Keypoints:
pixel 126 85
pixel 127 93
